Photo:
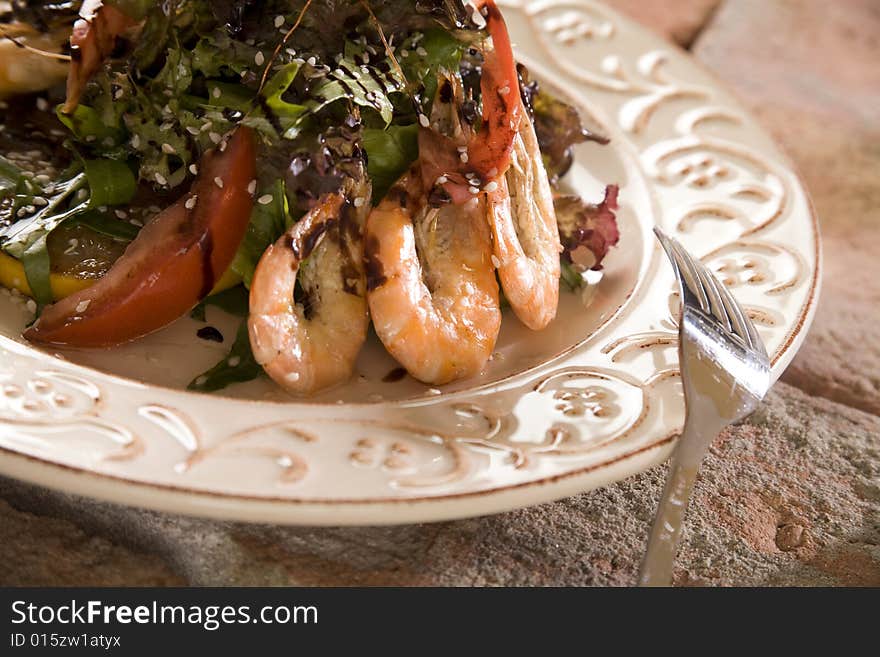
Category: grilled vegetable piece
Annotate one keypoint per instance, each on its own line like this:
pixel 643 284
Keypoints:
pixel 173 263
pixel 96 35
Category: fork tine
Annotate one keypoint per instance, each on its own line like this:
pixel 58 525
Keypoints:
pixel 688 279
pixel 732 314
pixel 757 342
pixel 712 295
pixel 710 287
pixel 738 320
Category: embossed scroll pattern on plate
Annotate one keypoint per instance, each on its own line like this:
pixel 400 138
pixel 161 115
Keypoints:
pixel 717 184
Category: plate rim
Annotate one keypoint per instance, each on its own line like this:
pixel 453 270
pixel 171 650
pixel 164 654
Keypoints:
pixel 120 489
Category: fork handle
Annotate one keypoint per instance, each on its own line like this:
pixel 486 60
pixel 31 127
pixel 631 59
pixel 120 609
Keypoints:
pixel 656 567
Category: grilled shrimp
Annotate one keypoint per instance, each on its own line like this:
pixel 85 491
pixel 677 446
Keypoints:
pixel 27 61
pixel 310 340
pixel 431 286
pixel 525 234
pixel 504 160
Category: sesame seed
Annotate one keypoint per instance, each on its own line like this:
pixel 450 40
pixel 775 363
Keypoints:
pixel 234 361
pixel 491 187
pixel 504 91
pixel 442 180
pixel 259 58
pixel 168 149
pixel 191 202
pixel 31 305
pixel 252 187
pixel 423 120
pixel 496 262
pixel 202 380
pixel 215 137
pixel 312 61
pixel 136 141
pixel 136 222
pixel 42 104
pixel 462 149
pixel 279 21
pixel 194 169
pixel 83 305
pixel 464 157
pixel 216 93
pixel 493 172
pixel 421 52
pixel 219 182
pixel 474 190
pixel 359 202
pixel 222 145
pixel 291 52
pixel 119 93
pixel 161 179
pixel 266 199
pixel 120 214
pixel 192 131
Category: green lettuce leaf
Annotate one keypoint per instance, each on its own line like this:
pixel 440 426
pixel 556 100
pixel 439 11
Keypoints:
pixel 237 367
pixel 389 154
pixel 268 223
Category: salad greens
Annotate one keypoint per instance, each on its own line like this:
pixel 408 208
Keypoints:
pixel 338 99
pixel 40 210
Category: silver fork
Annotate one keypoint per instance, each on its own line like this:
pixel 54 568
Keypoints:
pixel 725 373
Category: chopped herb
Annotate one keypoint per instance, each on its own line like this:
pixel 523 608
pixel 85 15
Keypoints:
pixel 238 366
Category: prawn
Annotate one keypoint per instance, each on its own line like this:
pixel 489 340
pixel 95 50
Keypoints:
pixel 504 160
pixel 308 311
pixel 431 286
pixel 526 235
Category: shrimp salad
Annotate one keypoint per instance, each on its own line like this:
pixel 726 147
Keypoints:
pixel 316 167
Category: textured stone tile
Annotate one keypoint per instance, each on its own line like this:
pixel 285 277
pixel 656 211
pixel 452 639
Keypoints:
pixel 790 498
pixel 809 73
pixel 677 20
pixel 46 551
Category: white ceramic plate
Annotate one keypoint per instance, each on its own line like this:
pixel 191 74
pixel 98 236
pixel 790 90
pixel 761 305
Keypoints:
pixel 591 400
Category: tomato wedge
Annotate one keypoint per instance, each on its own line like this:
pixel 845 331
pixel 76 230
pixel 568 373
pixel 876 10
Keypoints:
pixel 172 264
pixel 94 38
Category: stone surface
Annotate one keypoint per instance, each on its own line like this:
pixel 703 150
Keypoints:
pixel 677 20
pixel 36 550
pixel 814 83
pixel 790 497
